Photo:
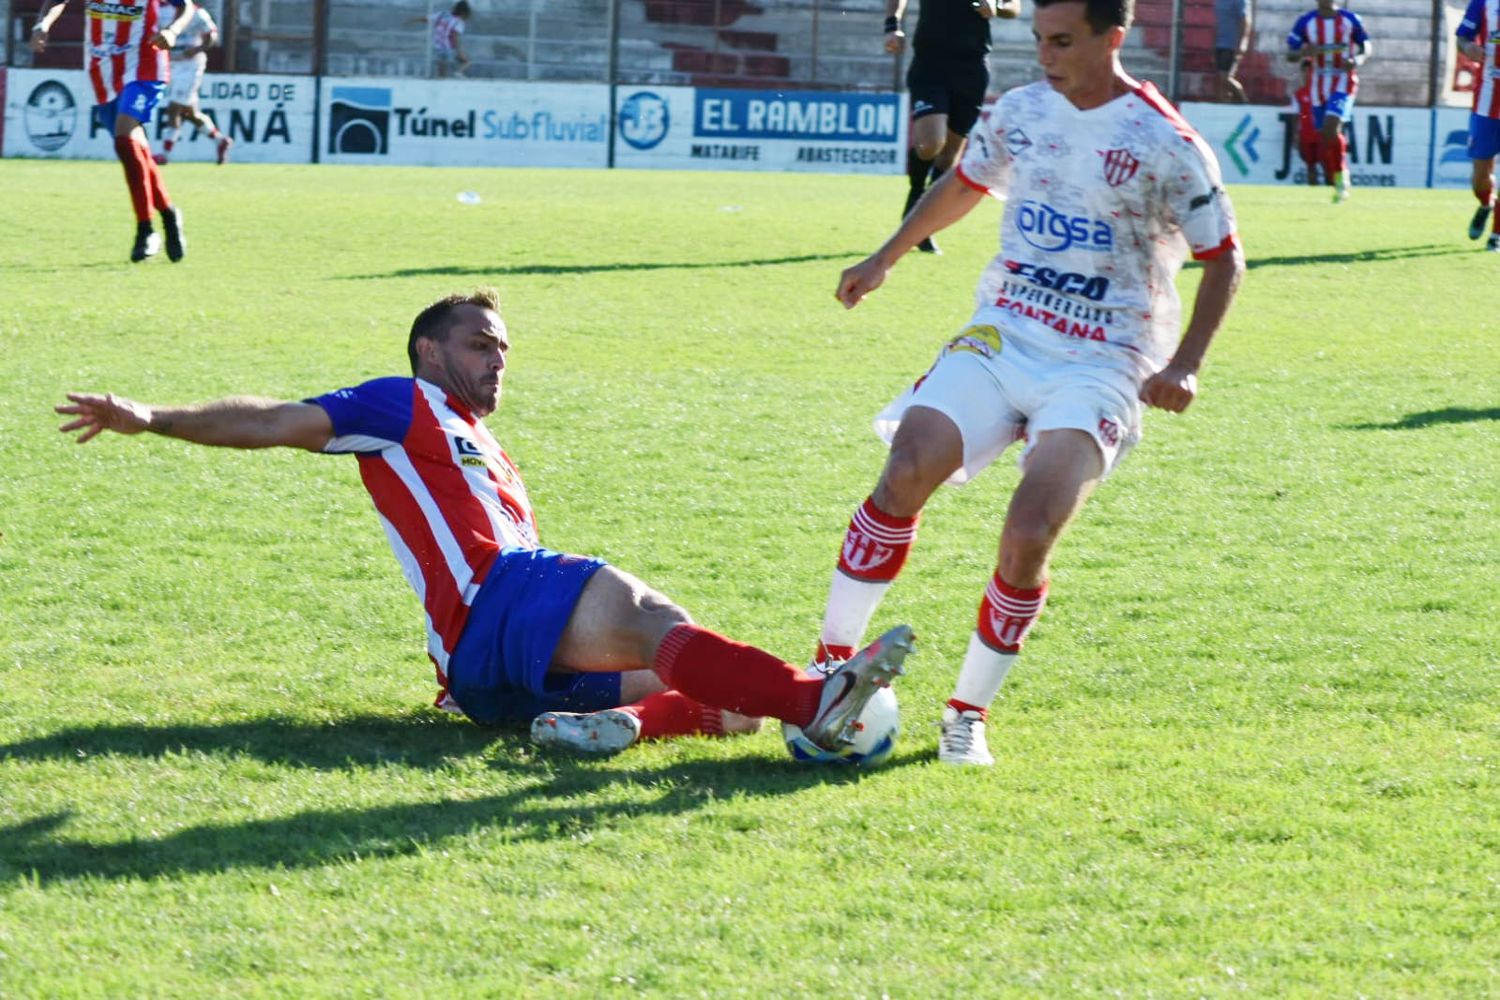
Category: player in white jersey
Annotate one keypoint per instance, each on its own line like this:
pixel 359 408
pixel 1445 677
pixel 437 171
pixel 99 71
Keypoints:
pixel 1076 330
pixel 189 60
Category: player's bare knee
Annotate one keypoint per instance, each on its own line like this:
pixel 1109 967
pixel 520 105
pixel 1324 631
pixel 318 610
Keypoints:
pixel 906 483
pixel 927 150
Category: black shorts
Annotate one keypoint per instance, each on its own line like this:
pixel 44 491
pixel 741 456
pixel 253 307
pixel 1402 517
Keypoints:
pixel 1225 59
pixel 945 84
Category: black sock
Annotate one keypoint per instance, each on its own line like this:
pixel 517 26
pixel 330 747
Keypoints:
pixel 916 177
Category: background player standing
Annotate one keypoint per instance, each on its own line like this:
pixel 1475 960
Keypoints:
pixel 1477 39
pixel 947 78
pixel 189 60
pixel 125 54
pixel 513 629
pixel 1308 145
pixel 1077 325
pixel 1337 43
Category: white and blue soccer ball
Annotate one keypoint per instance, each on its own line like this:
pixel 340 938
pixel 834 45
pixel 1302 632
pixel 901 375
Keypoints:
pixel 878 726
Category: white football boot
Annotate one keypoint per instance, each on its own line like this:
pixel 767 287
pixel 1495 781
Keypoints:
pixel 851 684
pixel 962 740
pixel 609 731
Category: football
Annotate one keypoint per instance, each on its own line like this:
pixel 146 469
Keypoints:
pixel 878 725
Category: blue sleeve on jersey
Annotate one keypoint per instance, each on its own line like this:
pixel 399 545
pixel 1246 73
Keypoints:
pixel 1468 28
pixel 1359 34
pixel 369 417
pixel 1298 33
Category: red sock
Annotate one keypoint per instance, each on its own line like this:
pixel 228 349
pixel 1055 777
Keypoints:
pixel 1007 613
pixel 153 178
pixel 1335 155
pixel 963 706
pixel 727 674
pixel 135 177
pixel 672 713
pixel 877 544
pixel 834 652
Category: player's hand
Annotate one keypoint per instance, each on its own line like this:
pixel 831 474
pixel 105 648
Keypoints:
pixel 96 414
pixel 984 8
pixel 1173 388
pixel 38 40
pixel 860 280
pixel 895 41
pixel 164 39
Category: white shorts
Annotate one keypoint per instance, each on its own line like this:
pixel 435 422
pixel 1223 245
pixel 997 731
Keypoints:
pixel 187 77
pixel 998 390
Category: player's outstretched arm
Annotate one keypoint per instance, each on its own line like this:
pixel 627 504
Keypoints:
pixel 1175 386
pixel 947 201
pixel 238 422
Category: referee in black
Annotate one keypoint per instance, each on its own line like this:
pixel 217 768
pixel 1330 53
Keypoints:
pixel 947 79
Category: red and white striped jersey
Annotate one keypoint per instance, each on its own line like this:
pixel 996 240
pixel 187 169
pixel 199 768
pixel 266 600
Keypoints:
pixel 448 496
pixel 1331 42
pixel 1479 24
pixel 117 44
pixel 446 27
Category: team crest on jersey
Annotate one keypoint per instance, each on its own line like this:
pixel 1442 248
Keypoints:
pixel 1119 166
pixel 1016 141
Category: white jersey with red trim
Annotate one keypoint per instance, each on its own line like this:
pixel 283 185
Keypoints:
pixel 1331 42
pixel 1478 25
pixel 1102 207
pixel 194 34
pixel 448 496
pixel 117 45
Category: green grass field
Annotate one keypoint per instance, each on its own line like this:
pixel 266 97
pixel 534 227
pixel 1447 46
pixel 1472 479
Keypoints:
pixel 1253 748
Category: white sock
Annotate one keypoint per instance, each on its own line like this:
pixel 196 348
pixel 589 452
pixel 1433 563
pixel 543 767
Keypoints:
pixel 983 672
pixel 851 605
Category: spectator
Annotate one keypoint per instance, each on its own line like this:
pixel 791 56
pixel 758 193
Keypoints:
pixel 1231 39
pixel 448 57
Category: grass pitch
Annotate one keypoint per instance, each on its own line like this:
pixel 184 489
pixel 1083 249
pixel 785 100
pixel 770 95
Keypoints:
pixel 1253 748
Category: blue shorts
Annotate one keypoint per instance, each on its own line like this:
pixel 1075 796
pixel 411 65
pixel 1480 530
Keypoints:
pixel 138 99
pixel 1339 104
pixel 501 669
pixel 1484 137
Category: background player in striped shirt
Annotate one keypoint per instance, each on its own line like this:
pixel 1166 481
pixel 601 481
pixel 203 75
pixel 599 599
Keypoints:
pixel 515 631
pixel 125 54
pixel 1076 329
pixel 1477 38
pixel 1337 43
pixel 448 57
pixel 189 60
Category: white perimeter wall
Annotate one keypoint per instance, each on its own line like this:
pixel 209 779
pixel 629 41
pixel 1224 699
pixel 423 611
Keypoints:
pixel 302 119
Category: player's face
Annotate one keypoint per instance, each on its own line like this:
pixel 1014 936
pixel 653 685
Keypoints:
pixel 1078 64
pixel 470 361
pixel 1327 6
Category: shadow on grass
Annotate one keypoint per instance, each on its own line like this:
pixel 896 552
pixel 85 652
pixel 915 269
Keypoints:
pixel 455 270
pixel 1416 421
pixel 1360 256
pixel 545 809
pixel 422 739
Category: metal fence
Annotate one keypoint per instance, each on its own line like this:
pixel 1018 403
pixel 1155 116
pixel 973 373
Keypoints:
pixel 798 44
